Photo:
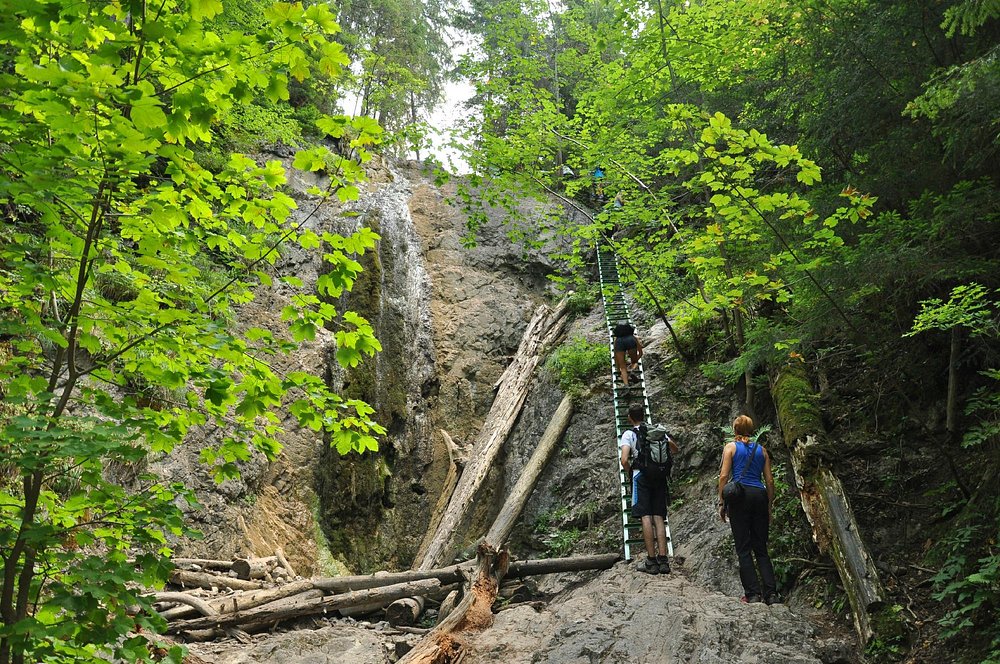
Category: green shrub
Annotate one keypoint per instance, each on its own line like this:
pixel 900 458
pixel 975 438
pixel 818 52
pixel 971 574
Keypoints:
pixel 576 363
pixel 582 301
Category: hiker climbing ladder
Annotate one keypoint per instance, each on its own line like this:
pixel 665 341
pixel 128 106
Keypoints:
pixel 615 311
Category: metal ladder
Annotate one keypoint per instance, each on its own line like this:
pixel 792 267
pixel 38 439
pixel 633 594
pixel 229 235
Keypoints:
pixel 616 310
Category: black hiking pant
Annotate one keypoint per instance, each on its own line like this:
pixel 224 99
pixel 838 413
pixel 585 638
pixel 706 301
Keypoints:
pixel 748 519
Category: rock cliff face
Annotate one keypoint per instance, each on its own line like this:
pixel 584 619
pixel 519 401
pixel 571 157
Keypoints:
pixel 448 319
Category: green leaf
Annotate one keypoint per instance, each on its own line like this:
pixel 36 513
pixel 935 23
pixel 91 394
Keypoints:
pixel 205 9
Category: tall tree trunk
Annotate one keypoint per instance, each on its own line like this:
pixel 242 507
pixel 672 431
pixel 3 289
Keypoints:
pixel 951 409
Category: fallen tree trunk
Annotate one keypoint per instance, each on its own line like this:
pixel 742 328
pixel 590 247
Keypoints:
pixel 834 527
pixel 543 330
pixel 242 601
pixel 523 568
pixel 268 614
pixel 473 612
pixel 455 573
pixel 405 611
pixel 183 577
pixel 519 495
pixel 341 584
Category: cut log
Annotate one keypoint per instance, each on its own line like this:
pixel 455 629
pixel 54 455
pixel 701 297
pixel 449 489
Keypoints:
pixel 404 611
pixel 545 327
pixel 827 508
pixel 243 601
pixel 204 563
pixel 253 568
pixel 268 615
pixel 182 577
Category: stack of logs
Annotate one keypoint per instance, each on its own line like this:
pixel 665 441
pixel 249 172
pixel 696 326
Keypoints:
pixel 240 597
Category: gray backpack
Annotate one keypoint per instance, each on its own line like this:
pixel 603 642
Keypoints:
pixel 652 450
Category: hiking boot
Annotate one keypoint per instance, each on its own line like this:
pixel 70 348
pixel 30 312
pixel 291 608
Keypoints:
pixel 664 563
pixel 750 599
pixel 772 598
pixel 649 566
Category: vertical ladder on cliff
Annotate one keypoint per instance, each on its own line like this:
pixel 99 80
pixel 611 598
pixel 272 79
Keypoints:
pixel 615 311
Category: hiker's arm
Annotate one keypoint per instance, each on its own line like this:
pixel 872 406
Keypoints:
pixel 626 466
pixel 673 446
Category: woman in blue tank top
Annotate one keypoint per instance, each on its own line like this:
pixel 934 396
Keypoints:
pixel 750 516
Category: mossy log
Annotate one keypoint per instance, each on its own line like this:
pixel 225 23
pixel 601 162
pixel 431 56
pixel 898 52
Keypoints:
pixel 834 527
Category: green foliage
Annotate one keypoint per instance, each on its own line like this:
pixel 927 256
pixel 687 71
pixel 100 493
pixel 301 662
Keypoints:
pixel 122 260
pixel 576 363
pixel 402 56
pixel 969 580
pixel 557 537
pixel 966 308
pixel 583 300
pixel 560 543
pixel 889 643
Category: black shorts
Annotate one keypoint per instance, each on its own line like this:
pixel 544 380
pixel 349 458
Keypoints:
pixel 623 344
pixel 651 496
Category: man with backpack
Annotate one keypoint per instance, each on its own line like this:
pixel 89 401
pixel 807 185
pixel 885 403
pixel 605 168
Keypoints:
pixel 647 456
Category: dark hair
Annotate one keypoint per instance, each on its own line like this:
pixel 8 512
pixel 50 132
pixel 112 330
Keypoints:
pixel 636 412
pixel 743 426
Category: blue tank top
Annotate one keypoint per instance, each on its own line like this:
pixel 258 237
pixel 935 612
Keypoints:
pixel 752 475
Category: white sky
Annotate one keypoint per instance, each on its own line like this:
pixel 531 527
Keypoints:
pixel 445 118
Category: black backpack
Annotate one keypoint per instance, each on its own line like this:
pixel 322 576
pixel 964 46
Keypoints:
pixel 652 450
